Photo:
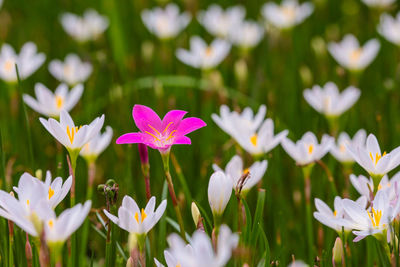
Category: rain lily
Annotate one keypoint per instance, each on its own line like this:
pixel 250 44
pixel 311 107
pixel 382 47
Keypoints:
pixel 329 101
pixel 72 71
pixel 374 221
pixel 219 192
pixel 287 15
pixel 219 22
pixel 97 145
pixel 88 27
pixel 28 61
pixel 369 157
pixel 136 221
pixel 200 249
pixel 50 104
pixel 170 259
pixel 365 186
pixel 333 219
pixel 234 170
pixel 161 134
pixel 339 150
pixel 165 23
pixel 350 55
pixel 389 28
pixel 307 150
pixel 203 56
pixel 246 34
pixel 379 3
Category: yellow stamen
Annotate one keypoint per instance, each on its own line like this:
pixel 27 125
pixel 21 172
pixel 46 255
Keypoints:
pixel 142 216
pixel 379 187
pixel 71 134
pixel 335 213
pixel 155 137
pixel 170 135
pixel 166 128
pixel 178 265
pixel 8 66
pixel 253 139
pixel 50 223
pixel 59 102
pixel 51 192
pixel 356 54
pixel 246 171
pixel 154 129
pixel 27 202
pixel 342 148
pixel 377 157
pixel 375 217
pixel 310 149
pixel 209 51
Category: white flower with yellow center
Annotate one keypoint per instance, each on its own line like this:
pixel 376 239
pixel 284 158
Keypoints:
pixel 339 149
pixel 307 150
pixel 234 170
pixel 365 186
pixel 69 135
pixel 287 15
pixel 350 55
pixel 333 219
pixel 329 101
pixel 97 144
pixel 28 61
pixel 389 27
pixel 72 71
pixel 165 23
pixel 203 56
pixel 200 251
pixel 369 157
pixel 219 192
pixel 132 219
pixel 50 104
pixel 374 221
pixel 88 27
pixel 381 4
pixel 219 22
pixel 246 35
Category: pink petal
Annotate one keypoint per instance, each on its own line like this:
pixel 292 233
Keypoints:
pixel 132 138
pixel 182 140
pixel 174 116
pixel 189 125
pixel 145 116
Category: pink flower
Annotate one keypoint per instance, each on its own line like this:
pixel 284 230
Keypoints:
pixel 161 134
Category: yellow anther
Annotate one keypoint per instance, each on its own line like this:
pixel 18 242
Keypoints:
pixel 178 265
pixel 375 217
pixel 59 102
pixel 377 157
pixel 27 202
pixel 310 149
pixel 254 139
pixel 51 192
pixel 335 213
pixel 209 51
pixel 246 171
pixel 166 128
pixel 171 135
pixel 154 136
pixel 154 129
pixel 50 223
pixel 342 148
pixel 142 216
pixel 71 134
pixel 8 65
pixel 356 54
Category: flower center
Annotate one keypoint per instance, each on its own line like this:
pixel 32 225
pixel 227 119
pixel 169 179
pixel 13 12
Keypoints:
pixel 335 213
pixel 209 51
pixel 355 55
pixel 50 192
pixel 327 103
pixel 310 149
pixel 143 216
pixel 27 202
pixel 50 223
pixel 375 217
pixel 162 137
pixel 67 70
pixel 59 102
pixel 377 157
pixel 8 65
pixel 289 12
pixel 254 139
pixel 342 148
pixel 71 133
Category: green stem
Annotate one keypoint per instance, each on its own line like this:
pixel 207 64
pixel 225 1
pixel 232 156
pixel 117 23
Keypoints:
pixel 307 195
pixel 11 243
pixel 73 156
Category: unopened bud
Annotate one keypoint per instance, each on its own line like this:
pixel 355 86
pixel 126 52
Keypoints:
pixel 129 262
pixel 39 174
pixel 241 71
pixel 337 252
pixel 143 153
pixel 195 214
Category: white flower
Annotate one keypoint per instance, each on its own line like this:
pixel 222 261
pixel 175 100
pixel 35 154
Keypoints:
pixel 389 28
pixel 234 170
pixel 134 220
pixel 349 54
pixel 165 23
pixel 219 22
pixel 88 27
pixel 307 150
pixel 69 135
pixel 287 15
pixel 246 34
pixel 219 192
pixel 298 263
pixel 97 144
pixel 200 252
pixel 370 222
pixel 50 104
pixel 339 150
pixel 203 56
pixel 333 219
pixel 379 3
pixel 365 186
pixel 169 259
pixel 372 160
pixel 28 61
pixel 71 71
pixel 329 101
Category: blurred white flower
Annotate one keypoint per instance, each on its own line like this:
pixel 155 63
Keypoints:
pixel 298 263
pixel 339 149
pixel 50 104
pixel 329 101
pixel 97 145
pixel 200 251
pixel 288 14
pixel 72 71
pixel 350 55
pixel 169 259
pixel 365 187
pixel 369 157
pixel 219 192
pixel 88 27
pixel 246 35
pixel 234 170
pixel 389 28
pixel 203 56
pixel 307 150
pixel 28 61
pixel 132 219
pixel 219 22
pixel 379 3
pixel 69 135
pixel 165 23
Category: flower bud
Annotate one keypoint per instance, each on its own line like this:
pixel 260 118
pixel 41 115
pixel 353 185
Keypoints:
pixel 219 192
pixel 195 214
pixel 143 153
pixel 337 252
pixel 39 174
